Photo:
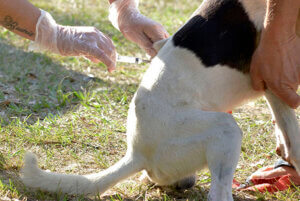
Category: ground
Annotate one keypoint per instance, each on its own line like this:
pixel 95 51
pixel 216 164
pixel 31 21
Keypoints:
pixel 72 113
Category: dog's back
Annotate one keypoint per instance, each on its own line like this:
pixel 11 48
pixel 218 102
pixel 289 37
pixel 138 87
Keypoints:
pixel 205 65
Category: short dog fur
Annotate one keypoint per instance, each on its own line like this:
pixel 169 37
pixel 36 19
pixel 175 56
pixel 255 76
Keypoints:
pixel 177 122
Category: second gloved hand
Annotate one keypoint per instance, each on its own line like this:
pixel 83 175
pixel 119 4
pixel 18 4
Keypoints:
pixel 125 16
pixel 74 41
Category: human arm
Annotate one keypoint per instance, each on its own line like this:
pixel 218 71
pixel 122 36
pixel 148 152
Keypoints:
pixel 276 62
pixel 19 17
pixel 125 16
pixel 24 19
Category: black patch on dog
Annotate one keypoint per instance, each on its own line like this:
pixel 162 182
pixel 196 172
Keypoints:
pixel 221 33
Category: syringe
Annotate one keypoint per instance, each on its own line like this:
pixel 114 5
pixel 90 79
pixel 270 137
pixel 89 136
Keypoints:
pixel 131 60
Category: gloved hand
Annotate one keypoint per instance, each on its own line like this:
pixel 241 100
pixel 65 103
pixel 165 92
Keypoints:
pixel 125 16
pixel 74 41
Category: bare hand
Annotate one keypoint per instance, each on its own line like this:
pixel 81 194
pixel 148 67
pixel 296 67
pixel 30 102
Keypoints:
pixel 276 66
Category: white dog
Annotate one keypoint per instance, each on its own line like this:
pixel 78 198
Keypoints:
pixel 177 123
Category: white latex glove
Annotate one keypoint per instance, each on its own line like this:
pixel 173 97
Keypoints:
pixel 125 16
pixel 74 41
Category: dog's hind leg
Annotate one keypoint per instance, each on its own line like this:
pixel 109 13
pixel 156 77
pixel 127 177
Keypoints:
pixel 287 130
pixel 197 139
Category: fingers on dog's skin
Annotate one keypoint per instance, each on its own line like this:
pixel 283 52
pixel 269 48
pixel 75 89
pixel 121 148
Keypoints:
pixel 288 95
pixel 284 91
pixel 151 36
pixel 147 44
pixel 156 34
pixel 257 82
pixel 166 35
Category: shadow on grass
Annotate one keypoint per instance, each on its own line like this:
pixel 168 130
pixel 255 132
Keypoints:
pixel 166 193
pixel 2 161
pixel 32 85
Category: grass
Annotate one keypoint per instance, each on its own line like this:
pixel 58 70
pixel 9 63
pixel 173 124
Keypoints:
pixel 72 113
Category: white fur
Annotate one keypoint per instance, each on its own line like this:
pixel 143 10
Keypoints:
pixel 176 126
pixel 256 10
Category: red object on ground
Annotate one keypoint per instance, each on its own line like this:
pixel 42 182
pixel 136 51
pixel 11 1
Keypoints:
pixel 270 185
pixel 235 183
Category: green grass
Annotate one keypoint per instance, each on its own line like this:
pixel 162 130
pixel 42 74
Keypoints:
pixel 75 122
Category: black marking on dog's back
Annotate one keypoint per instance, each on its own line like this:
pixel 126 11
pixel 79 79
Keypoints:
pixel 221 33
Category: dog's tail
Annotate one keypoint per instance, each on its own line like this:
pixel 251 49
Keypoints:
pixel 76 184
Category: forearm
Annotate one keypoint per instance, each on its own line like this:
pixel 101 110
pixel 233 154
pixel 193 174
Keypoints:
pixel 281 16
pixel 298 25
pixel 20 17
